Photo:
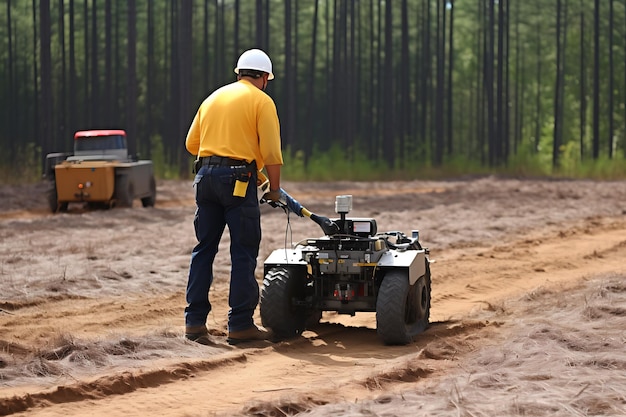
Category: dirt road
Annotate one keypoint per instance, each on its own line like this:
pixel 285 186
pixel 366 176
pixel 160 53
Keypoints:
pixel 91 319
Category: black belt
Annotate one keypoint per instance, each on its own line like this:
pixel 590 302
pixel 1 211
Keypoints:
pixel 222 161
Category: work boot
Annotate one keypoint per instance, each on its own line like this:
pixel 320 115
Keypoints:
pixel 199 334
pixel 252 334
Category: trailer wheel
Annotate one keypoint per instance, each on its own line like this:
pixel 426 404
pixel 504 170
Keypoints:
pixel 124 191
pixel 281 288
pixel 52 197
pixel 402 310
pixel 151 199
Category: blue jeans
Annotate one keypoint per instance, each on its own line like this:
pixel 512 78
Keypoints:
pixel 216 207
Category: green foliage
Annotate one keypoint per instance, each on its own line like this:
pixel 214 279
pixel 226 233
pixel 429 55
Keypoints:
pixel 459 166
pixel 161 168
pixel 332 165
pixel 294 166
pixel 601 169
pixel 528 162
pixel 24 168
pixel 336 165
pixel 347 75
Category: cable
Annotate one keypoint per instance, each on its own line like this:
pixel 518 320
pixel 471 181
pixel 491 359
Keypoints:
pixel 288 232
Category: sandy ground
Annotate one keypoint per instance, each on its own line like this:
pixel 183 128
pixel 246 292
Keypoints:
pixel 527 319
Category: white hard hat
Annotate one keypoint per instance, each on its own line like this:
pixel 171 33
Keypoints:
pixel 255 59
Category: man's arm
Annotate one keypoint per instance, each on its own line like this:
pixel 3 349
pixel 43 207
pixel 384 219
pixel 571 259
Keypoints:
pixel 273 173
pixel 192 142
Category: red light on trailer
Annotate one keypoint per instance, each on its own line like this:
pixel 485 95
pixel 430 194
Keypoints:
pixel 81 186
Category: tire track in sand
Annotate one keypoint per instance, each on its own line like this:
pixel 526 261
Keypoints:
pixel 339 361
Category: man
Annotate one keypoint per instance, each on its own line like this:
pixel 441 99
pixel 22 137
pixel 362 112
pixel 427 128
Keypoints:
pixel 234 134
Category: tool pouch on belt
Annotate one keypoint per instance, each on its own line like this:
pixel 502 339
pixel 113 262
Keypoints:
pixel 197 164
pixel 241 183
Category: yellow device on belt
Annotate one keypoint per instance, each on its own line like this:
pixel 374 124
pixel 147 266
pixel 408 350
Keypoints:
pixel 240 188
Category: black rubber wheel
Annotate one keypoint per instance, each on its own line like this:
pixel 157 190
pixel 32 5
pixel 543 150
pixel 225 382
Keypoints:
pixel 402 310
pixel 52 197
pixel 124 191
pixel 281 287
pixel 151 199
pixel 313 319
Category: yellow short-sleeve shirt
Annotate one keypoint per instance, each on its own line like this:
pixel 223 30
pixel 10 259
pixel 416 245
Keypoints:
pixel 237 121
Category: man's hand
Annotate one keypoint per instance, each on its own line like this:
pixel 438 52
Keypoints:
pixel 275 198
pixel 279 198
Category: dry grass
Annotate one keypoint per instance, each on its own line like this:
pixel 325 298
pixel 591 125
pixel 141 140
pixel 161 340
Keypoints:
pixel 111 283
pixel 67 357
pixel 552 358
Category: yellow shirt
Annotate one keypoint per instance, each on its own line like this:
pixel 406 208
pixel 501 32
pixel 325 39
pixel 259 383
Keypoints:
pixel 237 121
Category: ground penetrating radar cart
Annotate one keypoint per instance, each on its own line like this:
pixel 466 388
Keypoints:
pixel 353 268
